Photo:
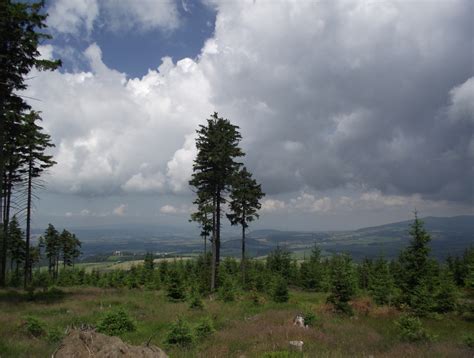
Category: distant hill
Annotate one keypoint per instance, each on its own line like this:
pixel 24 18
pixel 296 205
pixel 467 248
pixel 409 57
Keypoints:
pixel 450 236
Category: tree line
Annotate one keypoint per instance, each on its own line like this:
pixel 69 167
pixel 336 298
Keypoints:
pixel 53 249
pixel 23 144
pixel 415 281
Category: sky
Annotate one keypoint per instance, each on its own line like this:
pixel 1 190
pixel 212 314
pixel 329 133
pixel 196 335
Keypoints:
pixel 352 113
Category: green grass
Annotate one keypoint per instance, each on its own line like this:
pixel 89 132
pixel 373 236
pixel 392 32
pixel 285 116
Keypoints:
pixel 241 326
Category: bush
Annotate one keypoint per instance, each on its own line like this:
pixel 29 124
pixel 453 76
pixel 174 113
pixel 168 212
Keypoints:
pixel 54 335
pixel 310 319
pixel 226 292
pixel 411 329
pixel 175 290
pixel 180 334
pixel 280 291
pixel 468 340
pixel 34 326
pixel 115 323
pixel 256 298
pixel 195 301
pixel 204 328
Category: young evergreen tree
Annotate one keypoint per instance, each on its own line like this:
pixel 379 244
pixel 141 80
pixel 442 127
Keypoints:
pixel 364 273
pixel 382 286
pixel 69 246
pixel 280 291
pixel 21 32
pixel 416 270
pixel 244 204
pixel 176 290
pixel 446 293
pixel 311 272
pixel 213 169
pixel 52 249
pixel 343 283
pixel 279 262
pixel 17 245
pixel 149 262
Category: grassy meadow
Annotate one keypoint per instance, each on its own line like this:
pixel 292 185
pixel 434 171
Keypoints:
pixel 243 328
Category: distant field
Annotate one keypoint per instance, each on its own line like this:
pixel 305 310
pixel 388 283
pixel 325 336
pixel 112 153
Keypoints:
pixel 120 265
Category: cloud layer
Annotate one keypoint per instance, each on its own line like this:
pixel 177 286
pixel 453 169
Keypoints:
pixel 374 96
pixel 73 16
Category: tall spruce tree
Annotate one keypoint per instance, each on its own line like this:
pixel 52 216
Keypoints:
pixel 213 169
pixel 416 269
pixel 244 204
pixel 21 31
pixel 36 162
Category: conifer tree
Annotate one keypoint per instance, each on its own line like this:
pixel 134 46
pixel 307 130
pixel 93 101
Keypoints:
pixel 176 290
pixel 245 202
pixel 446 293
pixel 382 287
pixel 36 161
pixel 204 216
pixel 343 283
pixel 52 249
pixel 280 291
pixel 416 270
pixel 16 245
pixel 213 170
pixel 21 31
pixel 311 272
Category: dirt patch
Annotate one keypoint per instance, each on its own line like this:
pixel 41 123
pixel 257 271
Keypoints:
pixel 88 343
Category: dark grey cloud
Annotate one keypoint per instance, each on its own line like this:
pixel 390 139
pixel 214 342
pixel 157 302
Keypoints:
pixel 367 89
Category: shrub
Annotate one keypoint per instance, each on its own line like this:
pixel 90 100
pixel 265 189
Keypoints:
pixel 256 298
pixel 280 291
pixel 196 303
pixel 310 319
pixel 180 334
pixel 204 328
pixel 34 326
pixel 116 322
pixel 468 340
pixel 195 299
pixel 226 292
pixel 411 329
pixel 54 335
pixel 175 289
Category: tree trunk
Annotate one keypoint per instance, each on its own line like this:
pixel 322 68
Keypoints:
pixel 27 273
pixel 205 242
pixel 3 95
pixel 242 262
pixel 218 235
pixel 214 249
pixel 6 219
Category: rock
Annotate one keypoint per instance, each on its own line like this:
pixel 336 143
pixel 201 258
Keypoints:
pixel 296 345
pixel 299 321
pixel 89 343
